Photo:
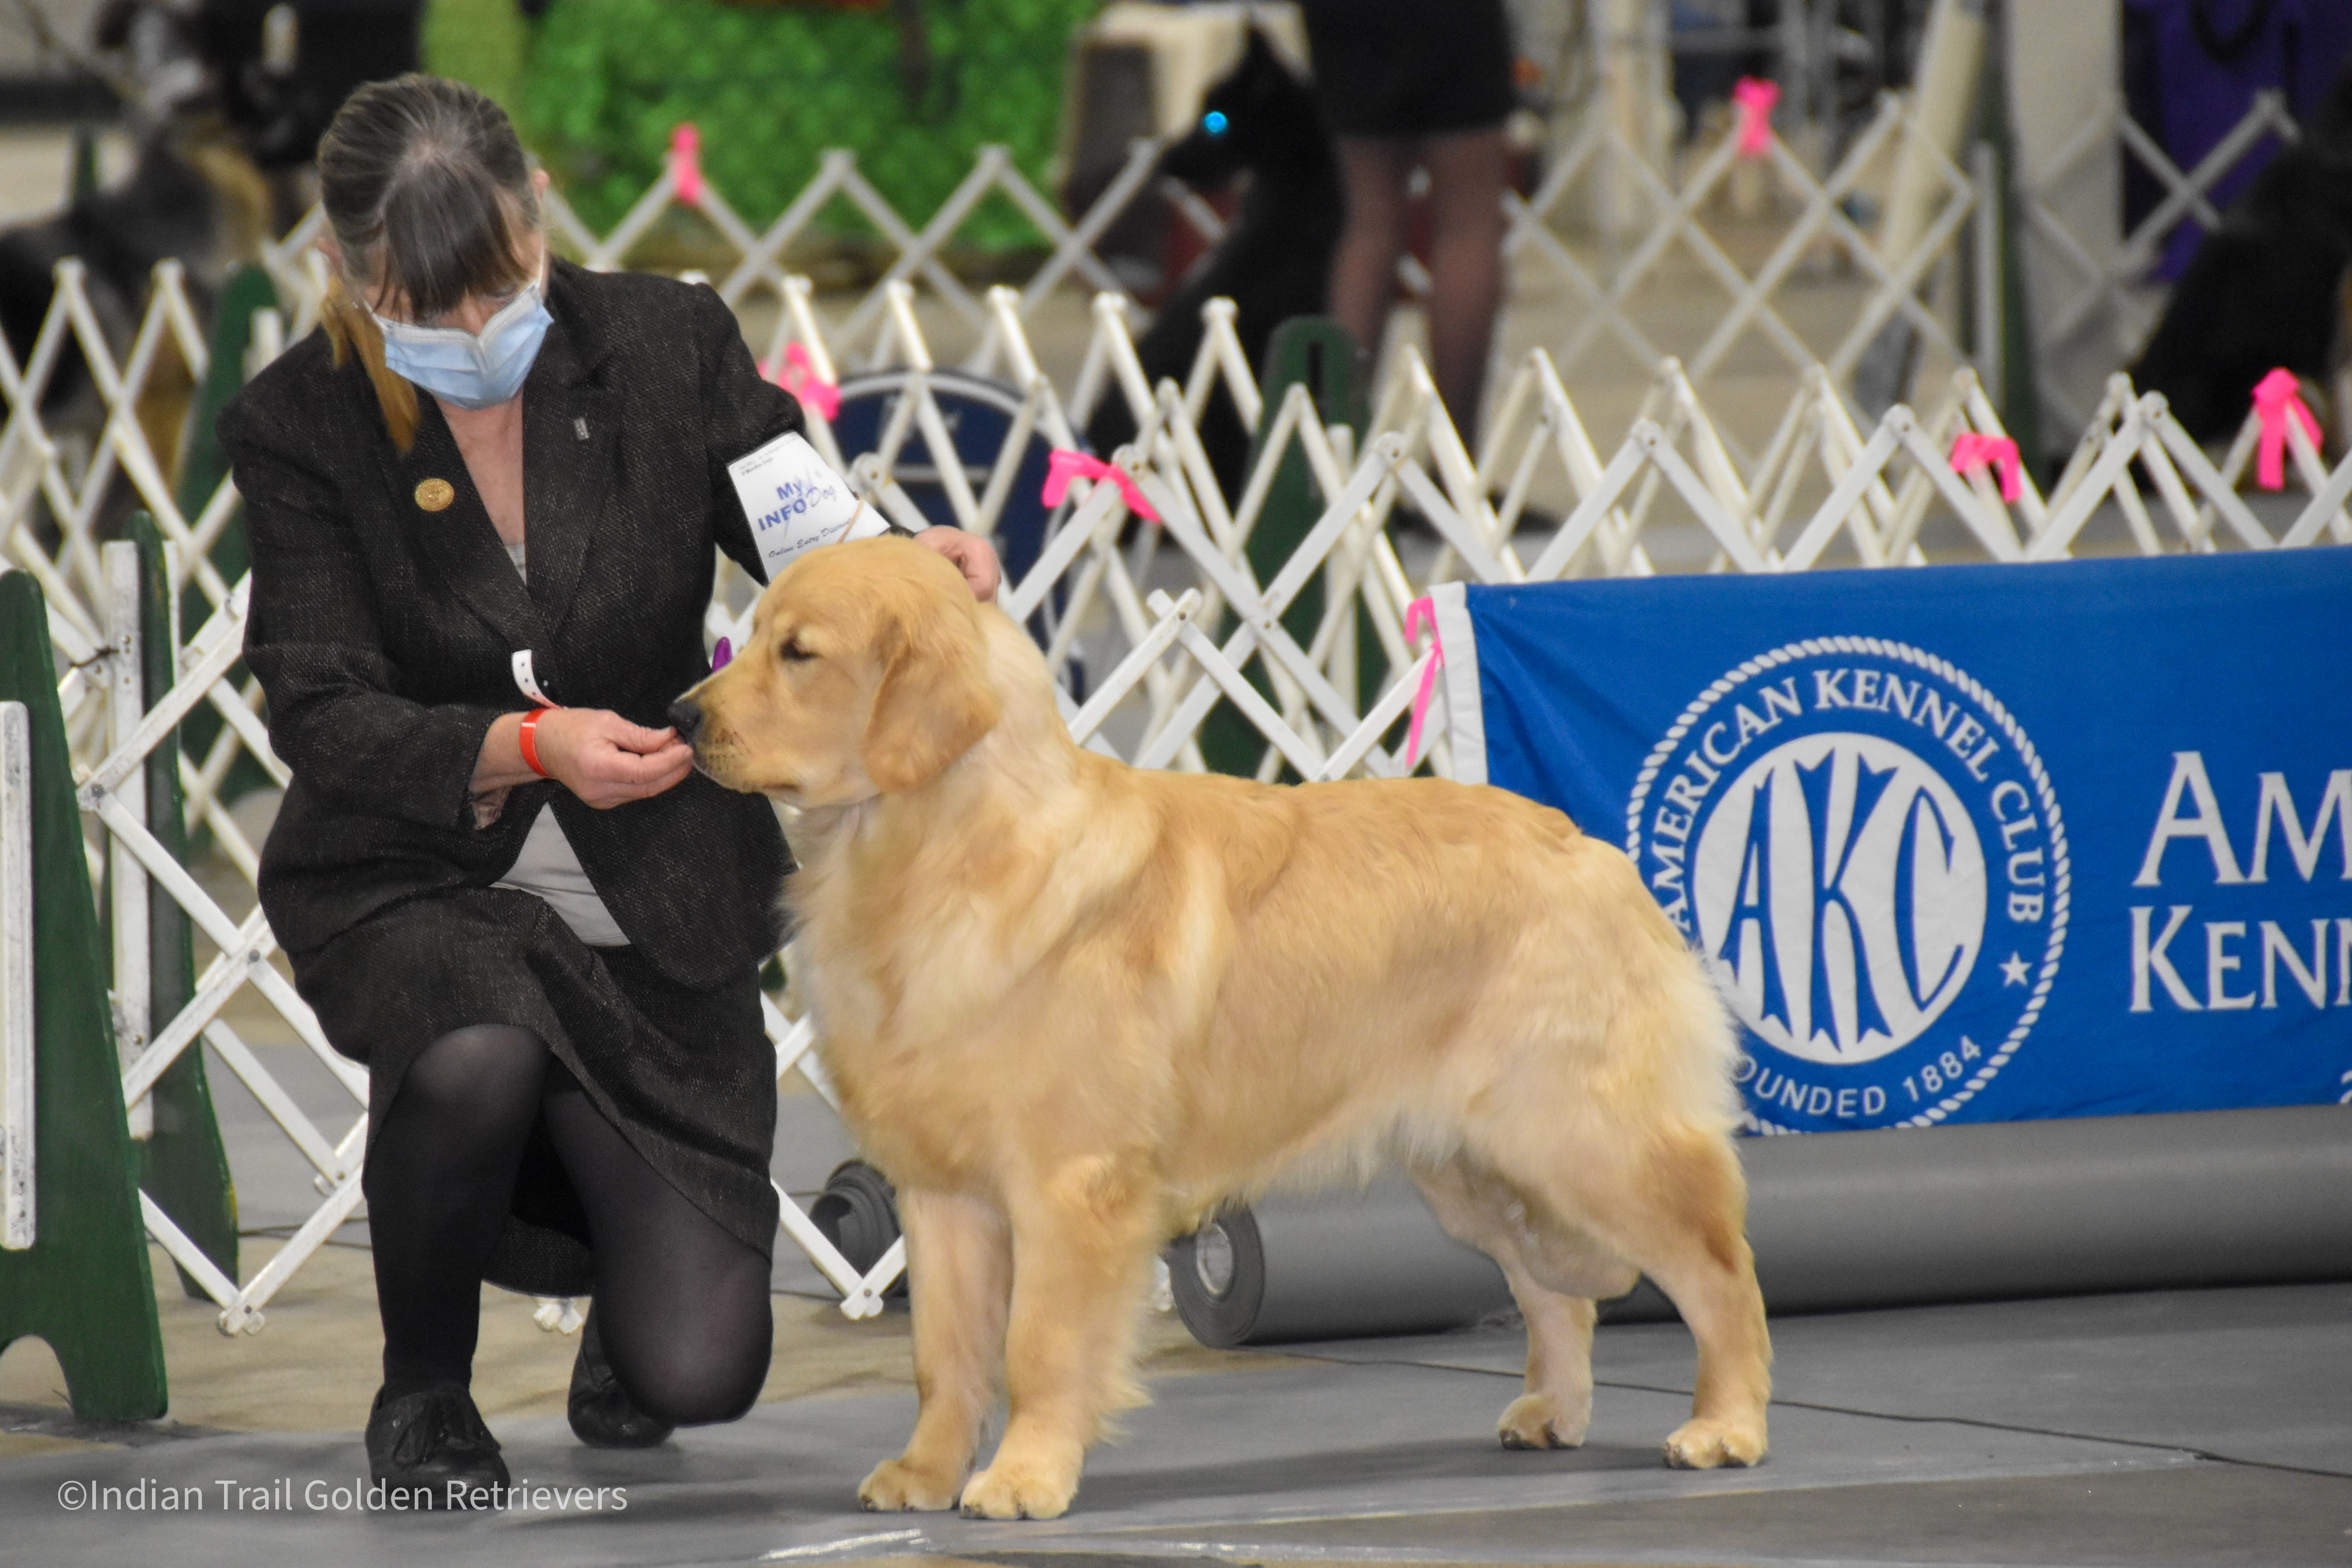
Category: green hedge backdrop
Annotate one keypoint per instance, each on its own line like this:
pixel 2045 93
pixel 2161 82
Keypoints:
pixel 596 86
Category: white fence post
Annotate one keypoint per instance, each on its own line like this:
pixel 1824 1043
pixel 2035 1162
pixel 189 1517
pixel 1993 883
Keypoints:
pixel 127 880
pixel 18 1193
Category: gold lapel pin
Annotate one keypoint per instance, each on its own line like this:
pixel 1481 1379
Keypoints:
pixel 435 495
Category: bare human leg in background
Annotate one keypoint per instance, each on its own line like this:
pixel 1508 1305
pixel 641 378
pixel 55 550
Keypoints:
pixel 1465 177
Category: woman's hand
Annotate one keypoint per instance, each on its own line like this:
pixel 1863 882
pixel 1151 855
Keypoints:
pixel 973 556
pixel 606 760
pixel 596 753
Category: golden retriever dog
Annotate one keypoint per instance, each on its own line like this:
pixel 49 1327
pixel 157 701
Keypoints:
pixel 1073 1006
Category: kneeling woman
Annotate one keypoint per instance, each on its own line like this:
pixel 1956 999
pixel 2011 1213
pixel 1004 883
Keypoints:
pixel 540 928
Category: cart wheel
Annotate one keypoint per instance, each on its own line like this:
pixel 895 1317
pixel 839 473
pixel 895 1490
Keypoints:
pixel 1218 1277
pixel 859 1214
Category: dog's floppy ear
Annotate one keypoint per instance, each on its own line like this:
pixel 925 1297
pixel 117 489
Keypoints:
pixel 935 702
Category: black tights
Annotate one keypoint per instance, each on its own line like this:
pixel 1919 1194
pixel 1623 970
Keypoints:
pixel 1467 172
pixel 681 1304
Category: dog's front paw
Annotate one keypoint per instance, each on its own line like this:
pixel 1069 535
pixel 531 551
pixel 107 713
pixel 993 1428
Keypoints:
pixel 1539 1421
pixel 1014 1488
pixel 896 1485
pixel 1707 1444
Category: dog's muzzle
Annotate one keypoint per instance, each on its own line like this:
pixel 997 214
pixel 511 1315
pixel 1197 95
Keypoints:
pixel 686 715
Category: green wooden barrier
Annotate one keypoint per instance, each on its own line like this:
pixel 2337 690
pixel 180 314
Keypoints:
pixel 1319 355
pixel 81 181
pixel 203 466
pixel 83 1285
pixel 186 1167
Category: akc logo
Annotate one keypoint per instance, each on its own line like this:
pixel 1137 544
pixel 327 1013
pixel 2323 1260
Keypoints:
pixel 1863 845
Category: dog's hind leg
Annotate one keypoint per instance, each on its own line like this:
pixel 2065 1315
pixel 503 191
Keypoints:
pixel 1554 1277
pixel 1082 1238
pixel 959 1281
pixel 1673 1202
pixel 1706 1270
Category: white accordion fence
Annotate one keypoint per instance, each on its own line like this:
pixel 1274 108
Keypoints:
pixel 2104 305
pixel 1143 615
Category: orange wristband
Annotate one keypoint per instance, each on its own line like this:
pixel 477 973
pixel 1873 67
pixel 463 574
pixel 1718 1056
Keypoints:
pixel 529 747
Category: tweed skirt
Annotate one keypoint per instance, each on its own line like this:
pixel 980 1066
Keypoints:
pixel 688 1077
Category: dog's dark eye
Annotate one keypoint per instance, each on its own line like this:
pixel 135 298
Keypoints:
pixel 1215 123
pixel 793 653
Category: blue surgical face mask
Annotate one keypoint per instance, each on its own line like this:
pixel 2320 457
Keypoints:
pixel 465 370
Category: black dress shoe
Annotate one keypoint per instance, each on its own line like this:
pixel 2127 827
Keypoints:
pixel 430 1449
pixel 602 1416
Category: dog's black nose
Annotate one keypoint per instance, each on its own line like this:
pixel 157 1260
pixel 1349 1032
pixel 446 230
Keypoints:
pixel 686 713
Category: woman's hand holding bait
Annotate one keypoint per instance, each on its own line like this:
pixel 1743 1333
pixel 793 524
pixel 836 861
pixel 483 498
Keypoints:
pixel 606 760
pixel 593 751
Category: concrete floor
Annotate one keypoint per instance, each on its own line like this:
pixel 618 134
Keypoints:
pixel 2175 1428
pixel 2184 1427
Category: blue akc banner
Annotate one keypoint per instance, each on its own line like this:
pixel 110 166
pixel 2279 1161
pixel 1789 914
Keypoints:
pixel 1963 843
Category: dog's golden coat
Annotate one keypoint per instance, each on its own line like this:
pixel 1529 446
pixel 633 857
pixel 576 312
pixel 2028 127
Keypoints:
pixel 1071 1006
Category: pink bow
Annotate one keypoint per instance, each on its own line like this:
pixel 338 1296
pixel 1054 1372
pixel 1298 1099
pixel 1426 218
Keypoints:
pixel 1969 448
pixel 2276 396
pixel 798 376
pixel 1420 611
pixel 686 164
pixel 721 656
pixel 1065 465
pixel 1753 98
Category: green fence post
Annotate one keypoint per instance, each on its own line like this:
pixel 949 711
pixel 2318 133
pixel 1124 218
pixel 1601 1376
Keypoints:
pixel 82 180
pixel 202 464
pixel 83 1285
pixel 202 467
pixel 1319 355
pixel 186 1166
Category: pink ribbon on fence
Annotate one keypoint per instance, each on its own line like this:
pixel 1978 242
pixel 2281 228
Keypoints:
pixel 1415 614
pixel 1970 448
pixel 2277 397
pixel 797 375
pixel 1066 466
pixel 1753 98
pixel 686 164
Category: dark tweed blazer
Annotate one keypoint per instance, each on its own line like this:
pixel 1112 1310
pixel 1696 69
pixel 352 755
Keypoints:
pixel 382 632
